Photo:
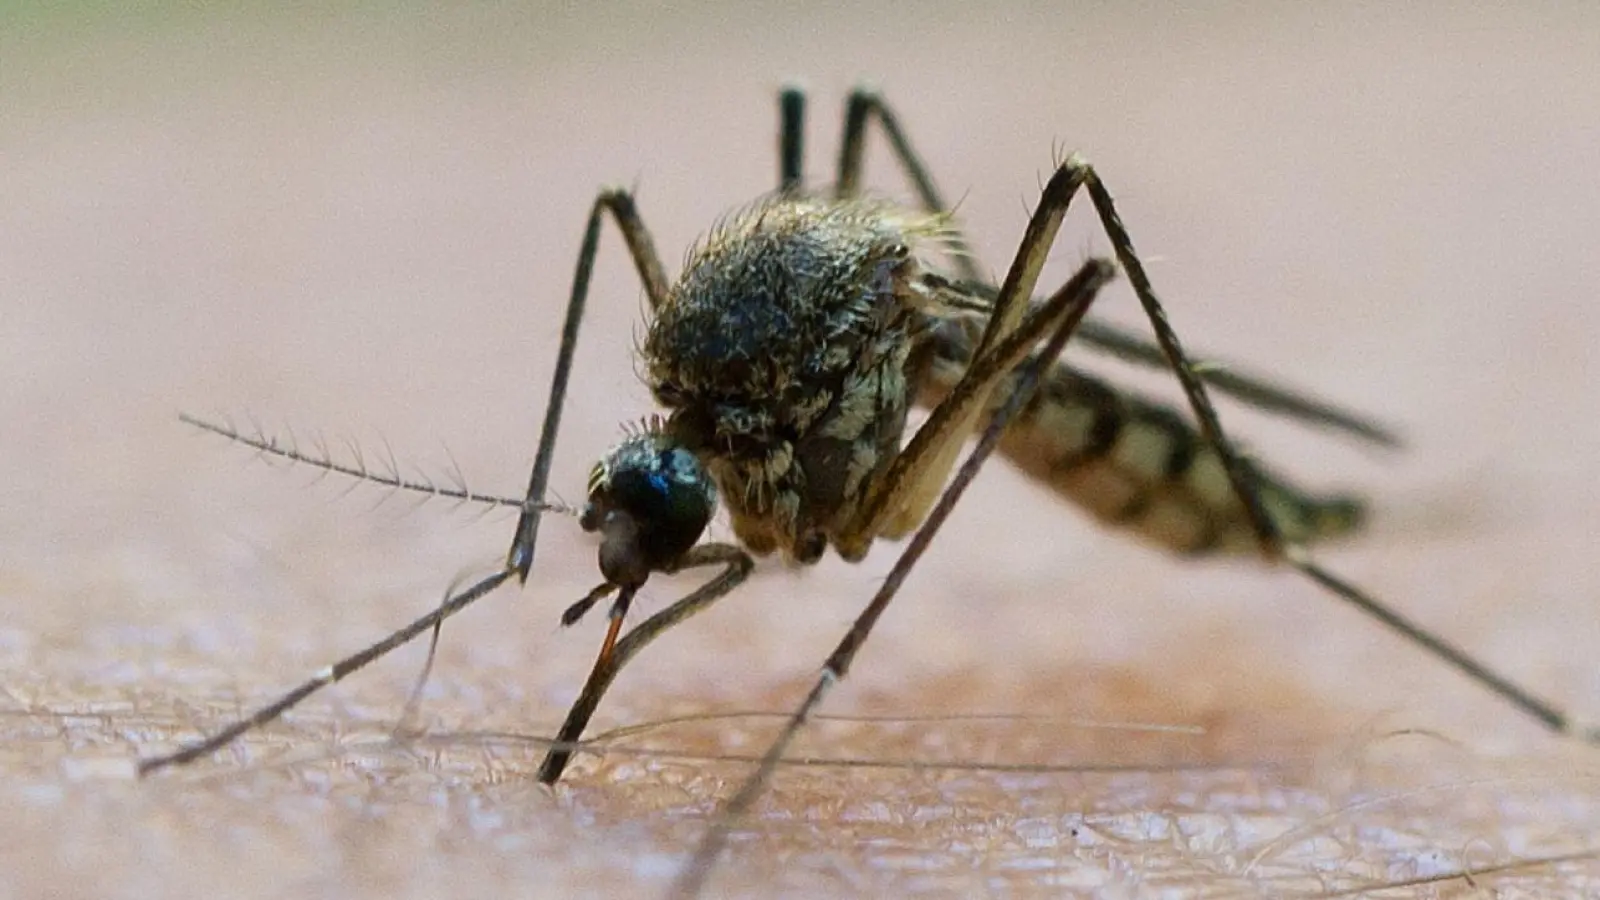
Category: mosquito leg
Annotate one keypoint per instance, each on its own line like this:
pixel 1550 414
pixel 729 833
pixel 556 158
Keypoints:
pixel 642 249
pixel 791 140
pixel 520 558
pixel 694 876
pixel 1240 476
pixel 897 503
pixel 327 676
pixel 863 105
pixel 577 610
pixel 1250 389
pixel 737 565
pixel 1548 715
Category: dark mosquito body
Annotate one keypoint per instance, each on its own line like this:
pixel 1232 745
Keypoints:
pixel 787 356
pixel 789 353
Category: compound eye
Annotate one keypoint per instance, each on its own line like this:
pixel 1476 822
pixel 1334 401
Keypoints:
pixel 651 499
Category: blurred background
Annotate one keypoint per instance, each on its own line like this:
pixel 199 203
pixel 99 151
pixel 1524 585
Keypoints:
pixel 361 223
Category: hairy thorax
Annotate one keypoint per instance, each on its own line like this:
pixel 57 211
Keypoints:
pixel 781 353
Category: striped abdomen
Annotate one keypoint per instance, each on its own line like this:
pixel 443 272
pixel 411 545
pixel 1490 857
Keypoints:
pixel 1130 461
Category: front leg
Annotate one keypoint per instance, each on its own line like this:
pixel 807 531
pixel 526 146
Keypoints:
pixel 613 656
pixel 619 203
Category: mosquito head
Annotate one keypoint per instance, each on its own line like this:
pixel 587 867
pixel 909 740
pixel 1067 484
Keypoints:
pixel 650 499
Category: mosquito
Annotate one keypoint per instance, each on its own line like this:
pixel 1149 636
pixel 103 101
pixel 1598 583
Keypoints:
pixel 787 355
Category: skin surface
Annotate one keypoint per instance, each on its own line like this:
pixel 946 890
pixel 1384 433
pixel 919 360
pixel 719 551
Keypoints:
pixel 364 224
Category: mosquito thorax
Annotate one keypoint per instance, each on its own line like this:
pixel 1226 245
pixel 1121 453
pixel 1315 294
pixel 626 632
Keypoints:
pixel 780 353
pixel 650 499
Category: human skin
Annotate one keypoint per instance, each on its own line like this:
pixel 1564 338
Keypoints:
pixel 365 224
